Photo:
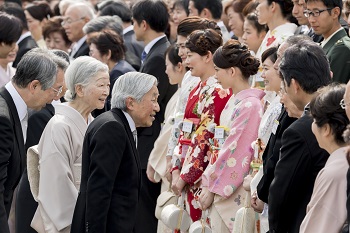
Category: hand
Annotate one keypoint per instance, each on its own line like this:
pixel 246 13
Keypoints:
pixel 206 198
pixel 175 177
pixel 246 182
pixel 257 204
pixel 179 185
pixel 168 168
pixel 150 173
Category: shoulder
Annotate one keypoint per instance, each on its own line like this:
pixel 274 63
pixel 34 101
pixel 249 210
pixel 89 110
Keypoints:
pixel 106 121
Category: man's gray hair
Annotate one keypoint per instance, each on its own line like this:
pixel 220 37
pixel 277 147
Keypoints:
pixel 59 58
pixel 84 9
pixel 104 22
pixel 131 84
pixel 37 64
pixel 80 72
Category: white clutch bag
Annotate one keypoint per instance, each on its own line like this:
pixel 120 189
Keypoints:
pixel 200 226
pixel 245 218
pixel 175 217
pixel 164 199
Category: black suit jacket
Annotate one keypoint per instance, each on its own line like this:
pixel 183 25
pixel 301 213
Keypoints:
pixel 154 64
pixel 12 155
pixel 25 203
pixel 24 46
pixel 111 177
pixel 82 51
pixel 271 155
pixel 300 161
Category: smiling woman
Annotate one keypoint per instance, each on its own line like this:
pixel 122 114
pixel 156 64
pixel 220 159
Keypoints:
pixel 60 147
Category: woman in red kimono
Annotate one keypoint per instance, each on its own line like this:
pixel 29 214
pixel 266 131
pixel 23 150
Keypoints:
pixel 203 109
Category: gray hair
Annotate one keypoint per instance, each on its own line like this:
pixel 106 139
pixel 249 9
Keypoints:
pixel 80 72
pixel 37 64
pixel 59 58
pixel 104 22
pixel 131 84
pixel 84 9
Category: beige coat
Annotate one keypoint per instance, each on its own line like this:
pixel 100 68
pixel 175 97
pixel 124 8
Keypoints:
pixel 60 150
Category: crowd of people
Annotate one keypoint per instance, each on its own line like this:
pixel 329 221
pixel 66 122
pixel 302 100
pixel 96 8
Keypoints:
pixel 229 104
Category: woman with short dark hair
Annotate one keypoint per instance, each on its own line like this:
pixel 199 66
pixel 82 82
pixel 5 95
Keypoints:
pixel 326 211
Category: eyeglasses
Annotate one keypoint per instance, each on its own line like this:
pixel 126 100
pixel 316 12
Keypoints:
pixel 59 91
pixel 70 21
pixel 343 104
pixel 315 13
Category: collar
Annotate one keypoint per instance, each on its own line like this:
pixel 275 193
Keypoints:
pixel 220 24
pixel 324 42
pixel 21 106
pixel 79 43
pixel 23 36
pixel 130 121
pixel 149 46
pixel 128 29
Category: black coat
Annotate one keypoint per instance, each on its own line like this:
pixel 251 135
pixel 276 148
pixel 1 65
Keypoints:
pixel 271 155
pixel 82 51
pixel 111 177
pixel 12 155
pixel 300 161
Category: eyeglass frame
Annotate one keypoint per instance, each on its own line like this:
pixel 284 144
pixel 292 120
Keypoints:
pixel 315 13
pixel 70 21
pixel 59 91
pixel 343 104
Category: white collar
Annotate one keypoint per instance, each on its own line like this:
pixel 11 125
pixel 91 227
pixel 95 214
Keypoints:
pixel 130 121
pixel 23 36
pixel 21 106
pixel 128 29
pixel 149 46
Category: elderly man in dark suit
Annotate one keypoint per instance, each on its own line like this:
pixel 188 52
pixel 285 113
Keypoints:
pixel 34 84
pixel 111 169
pixel 304 68
pixel 150 20
pixel 26 205
pixel 75 17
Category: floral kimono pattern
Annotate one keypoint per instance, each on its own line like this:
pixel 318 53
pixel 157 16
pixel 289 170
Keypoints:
pixel 224 177
pixel 206 102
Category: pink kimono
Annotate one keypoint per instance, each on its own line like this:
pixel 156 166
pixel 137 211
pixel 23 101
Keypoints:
pixel 224 176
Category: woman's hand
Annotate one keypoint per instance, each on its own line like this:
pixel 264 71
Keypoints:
pixel 246 182
pixel 206 198
pixel 168 168
pixel 179 185
pixel 150 173
pixel 256 203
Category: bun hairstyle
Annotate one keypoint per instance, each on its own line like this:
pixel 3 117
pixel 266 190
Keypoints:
pixel 325 109
pixel 235 54
pixel 204 41
pixel 192 23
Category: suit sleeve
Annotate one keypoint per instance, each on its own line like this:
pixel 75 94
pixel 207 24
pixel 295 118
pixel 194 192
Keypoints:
pixel 106 154
pixel 295 161
pixel 6 145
